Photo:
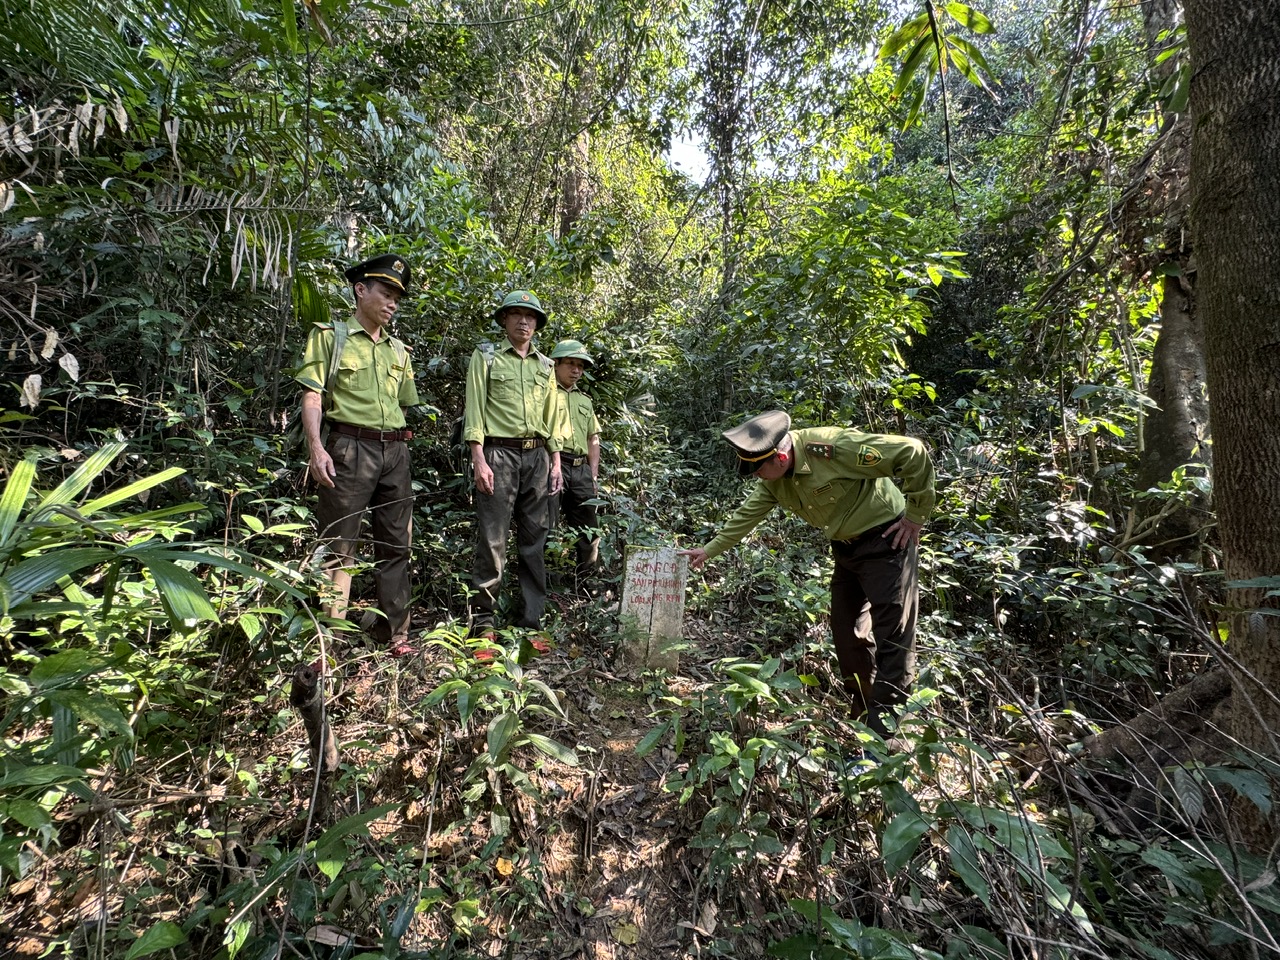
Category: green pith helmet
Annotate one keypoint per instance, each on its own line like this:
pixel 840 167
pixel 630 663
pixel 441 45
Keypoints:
pixel 571 350
pixel 525 299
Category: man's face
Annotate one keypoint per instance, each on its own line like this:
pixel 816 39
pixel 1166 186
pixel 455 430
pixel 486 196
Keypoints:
pixel 520 324
pixel 772 469
pixel 569 371
pixel 377 301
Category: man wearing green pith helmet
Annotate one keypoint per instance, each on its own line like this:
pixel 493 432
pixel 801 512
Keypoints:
pixel 580 458
pixel 514 425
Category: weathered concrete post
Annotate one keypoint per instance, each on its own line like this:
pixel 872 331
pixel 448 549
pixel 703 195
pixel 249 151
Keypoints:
pixel 653 593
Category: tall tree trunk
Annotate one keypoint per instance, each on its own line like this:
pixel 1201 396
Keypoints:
pixel 1178 431
pixel 1175 432
pixel 1235 207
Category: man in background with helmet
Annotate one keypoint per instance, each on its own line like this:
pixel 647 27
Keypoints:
pixel 363 464
pixel 580 458
pixel 514 425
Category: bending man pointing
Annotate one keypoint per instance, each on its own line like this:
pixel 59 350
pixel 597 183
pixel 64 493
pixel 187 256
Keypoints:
pixel 841 481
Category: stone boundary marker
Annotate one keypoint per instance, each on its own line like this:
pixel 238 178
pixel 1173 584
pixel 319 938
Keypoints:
pixel 653 593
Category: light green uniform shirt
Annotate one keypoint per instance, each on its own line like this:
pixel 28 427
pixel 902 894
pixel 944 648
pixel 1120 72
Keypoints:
pixel 842 484
pixel 513 397
pixel 373 384
pixel 583 424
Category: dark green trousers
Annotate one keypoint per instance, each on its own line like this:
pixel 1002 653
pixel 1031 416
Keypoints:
pixel 875 600
pixel 521 481
pixel 371 476
pixel 576 513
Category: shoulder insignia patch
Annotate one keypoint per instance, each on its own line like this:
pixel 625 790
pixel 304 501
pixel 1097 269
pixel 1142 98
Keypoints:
pixel 823 451
pixel 868 456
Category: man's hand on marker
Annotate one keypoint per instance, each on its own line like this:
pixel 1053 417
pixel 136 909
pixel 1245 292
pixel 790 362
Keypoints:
pixel 697 556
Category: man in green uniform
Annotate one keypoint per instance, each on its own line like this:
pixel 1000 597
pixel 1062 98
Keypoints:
pixel 361 396
pixel 514 425
pixel 842 482
pixel 580 458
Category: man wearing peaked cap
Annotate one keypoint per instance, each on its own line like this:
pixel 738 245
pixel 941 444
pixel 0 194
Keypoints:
pixel 846 483
pixel 580 458
pixel 515 426
pixel 757 440
pixel 387 267
pixel 357 381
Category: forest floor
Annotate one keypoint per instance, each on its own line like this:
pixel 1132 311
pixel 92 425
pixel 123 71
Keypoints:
pixel 538 858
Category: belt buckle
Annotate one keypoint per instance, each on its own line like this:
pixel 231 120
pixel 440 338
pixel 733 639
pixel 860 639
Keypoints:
pixel 528 444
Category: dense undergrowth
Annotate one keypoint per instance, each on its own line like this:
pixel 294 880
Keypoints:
pixel 156 792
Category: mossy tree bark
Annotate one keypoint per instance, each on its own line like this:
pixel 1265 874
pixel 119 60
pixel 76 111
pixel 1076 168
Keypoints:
pixel 1235 208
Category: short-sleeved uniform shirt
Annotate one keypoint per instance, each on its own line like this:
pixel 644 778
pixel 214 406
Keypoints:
pixel 583 424
pixel 374 382
pixel 512 397
pixel 843 484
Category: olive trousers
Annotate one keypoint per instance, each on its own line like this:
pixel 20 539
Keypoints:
pixel 521 481
pixel 372 477
pixel 875 600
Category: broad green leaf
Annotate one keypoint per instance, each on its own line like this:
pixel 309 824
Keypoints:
pixel 184 597
pixel 557 751
pixel 974 54
pixel 28 813
pixel 14 686
pixel 905 36
pixel 45 774
pixel 917 101
pixel 132 490
pixel 289 18
pixel 645 746
pixel 165 935
pixel 66 666
pixel 14 496
pixel 919 53
pixel 78 482
pixel 1248 783
pixel 901 838
pixel 501 729
pixel 93 708
pixel 253 523
pixel 966 68
pixel 357 823
pixel 964 861
pixel 331 863
pixel 968 17
pixel 204 557
pixel 39 573
pixel 235 937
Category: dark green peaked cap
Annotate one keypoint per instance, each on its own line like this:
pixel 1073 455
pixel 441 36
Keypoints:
pixel 387 267
pixel 756 440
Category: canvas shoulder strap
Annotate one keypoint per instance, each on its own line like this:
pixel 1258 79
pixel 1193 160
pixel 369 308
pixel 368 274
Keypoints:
pixel 335 358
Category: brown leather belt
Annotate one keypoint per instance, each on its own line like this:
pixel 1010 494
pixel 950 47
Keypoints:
pixel 516 443
pixel 360 433
pixel 572 461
